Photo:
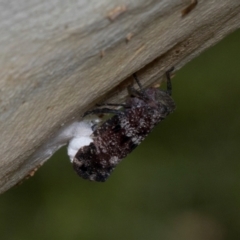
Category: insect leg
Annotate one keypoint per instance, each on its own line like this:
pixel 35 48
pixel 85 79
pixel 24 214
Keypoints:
pixel 112 104
pixel 134 92
pixel 101 110
pixel 137 81
pixel 169 84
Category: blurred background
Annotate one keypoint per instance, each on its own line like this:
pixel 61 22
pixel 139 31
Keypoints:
pixel 181 183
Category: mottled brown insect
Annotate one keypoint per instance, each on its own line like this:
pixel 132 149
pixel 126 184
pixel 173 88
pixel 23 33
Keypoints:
pixel 118 136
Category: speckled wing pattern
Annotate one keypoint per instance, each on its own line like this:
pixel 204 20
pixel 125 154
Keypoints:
pixel 120 134
pixel 113 141
pixel 116 138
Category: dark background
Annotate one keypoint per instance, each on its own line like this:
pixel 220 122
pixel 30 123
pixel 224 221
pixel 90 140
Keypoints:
pixel 181 183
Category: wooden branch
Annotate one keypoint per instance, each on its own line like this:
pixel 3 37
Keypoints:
pixel 58 58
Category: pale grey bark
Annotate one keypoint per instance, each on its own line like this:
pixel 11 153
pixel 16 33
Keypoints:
pixel 58 58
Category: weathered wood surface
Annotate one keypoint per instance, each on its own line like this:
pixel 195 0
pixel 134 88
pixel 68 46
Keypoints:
pixel 58 58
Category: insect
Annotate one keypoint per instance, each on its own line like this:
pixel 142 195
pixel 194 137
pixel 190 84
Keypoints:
pixel 124 131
